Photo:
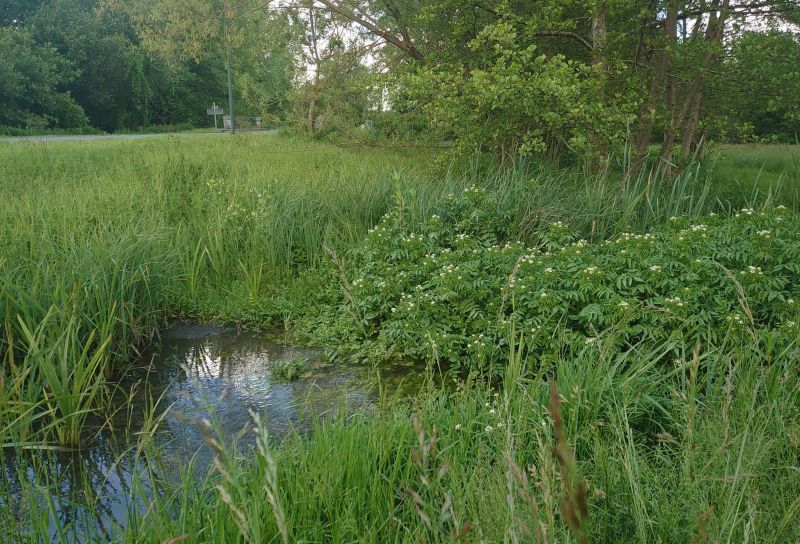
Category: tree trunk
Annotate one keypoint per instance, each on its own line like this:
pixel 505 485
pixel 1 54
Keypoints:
pixel 312 108
pixel 714 36
pixel 599 36
pixel 657 86
pixel 312 102
pixel 689 114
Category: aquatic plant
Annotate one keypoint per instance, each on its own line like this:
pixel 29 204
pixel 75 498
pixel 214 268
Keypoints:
pixel 288 369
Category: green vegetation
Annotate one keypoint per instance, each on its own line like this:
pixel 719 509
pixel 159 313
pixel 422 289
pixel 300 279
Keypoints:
pixel 560 79
pixel 456 287
pixel 582 215
pixel 681 408
pixel 288 369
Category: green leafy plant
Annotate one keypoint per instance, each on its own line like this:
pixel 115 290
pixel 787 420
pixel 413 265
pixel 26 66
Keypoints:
pixel 452 288
pixel 288 369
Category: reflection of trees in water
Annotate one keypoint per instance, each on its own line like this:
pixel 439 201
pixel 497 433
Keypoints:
pixel 89 489
pixel 218 377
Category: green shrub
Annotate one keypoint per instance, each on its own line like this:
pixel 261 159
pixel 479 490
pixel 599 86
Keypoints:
pixel 457 287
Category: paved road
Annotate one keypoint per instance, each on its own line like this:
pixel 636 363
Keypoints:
pixel 88 137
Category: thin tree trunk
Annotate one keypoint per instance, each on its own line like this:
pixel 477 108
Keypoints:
pixel 599 36
pixel 657 86
pixel 312 105
pixel 691 104
pixel 691 120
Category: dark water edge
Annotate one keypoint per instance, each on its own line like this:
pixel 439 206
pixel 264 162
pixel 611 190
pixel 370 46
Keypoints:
pixel 194 374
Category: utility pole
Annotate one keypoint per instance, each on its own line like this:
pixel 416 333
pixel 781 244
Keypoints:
pixel 230 76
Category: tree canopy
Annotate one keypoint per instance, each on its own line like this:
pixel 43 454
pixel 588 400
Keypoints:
pixel 506 77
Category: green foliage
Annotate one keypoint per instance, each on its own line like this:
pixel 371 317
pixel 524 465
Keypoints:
pixel 455 287
pixel 763 104
pixel 515 99
pixel 288 369
pixel 127 234
pixel 32 81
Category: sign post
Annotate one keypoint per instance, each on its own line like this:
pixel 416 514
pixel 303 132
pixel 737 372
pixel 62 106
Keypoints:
pixel 214 110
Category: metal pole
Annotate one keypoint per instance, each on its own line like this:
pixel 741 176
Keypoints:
pixel 230 79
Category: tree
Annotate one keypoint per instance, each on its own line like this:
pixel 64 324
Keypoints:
pixel 111 86
pixel 32 82
pixel 758 88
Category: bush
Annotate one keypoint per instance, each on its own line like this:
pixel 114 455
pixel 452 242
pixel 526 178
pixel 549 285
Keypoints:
pixel 457 288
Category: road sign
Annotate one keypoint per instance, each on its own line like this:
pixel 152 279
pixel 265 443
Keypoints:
pixel 214 110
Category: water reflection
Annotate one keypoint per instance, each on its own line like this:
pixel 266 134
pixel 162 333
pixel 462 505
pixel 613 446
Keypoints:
pixel 198 373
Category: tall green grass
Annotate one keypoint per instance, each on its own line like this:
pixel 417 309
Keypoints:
pixel 101 242
pixel 701 450
pixel 110 238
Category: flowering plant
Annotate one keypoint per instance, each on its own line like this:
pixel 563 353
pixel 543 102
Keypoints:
pixel 458 288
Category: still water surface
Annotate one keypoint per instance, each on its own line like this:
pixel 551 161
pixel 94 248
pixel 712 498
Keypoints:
pixel 194 373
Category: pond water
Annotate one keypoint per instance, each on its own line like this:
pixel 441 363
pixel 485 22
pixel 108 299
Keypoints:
pixel 194 373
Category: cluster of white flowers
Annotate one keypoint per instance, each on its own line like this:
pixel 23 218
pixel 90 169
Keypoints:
pixel 590 270
pixel 543 294
pixel 790 301
pixel 673 218
pixel 474 189
pixel 626 236
pixel 462 236
pixel 449 269
pixel 791 324
pixel 434 217
pixel 591 340
pixel 745 211
pixel 382 285
pixel 765 233
pixel 558 225
pixel 754 270
pixel 677 301
pixel 655 268
pixel 548 270
pixel 624 304
pixel 735 318
pixel 358 282
pixel 536 329
pixel 478 342
pixel 412 238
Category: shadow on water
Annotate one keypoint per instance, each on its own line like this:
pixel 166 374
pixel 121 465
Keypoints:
pixel 195 373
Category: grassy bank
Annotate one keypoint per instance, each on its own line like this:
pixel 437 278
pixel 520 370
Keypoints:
pixel 683 422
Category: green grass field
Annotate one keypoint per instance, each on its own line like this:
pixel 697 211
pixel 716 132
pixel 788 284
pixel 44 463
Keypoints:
pixel 673 423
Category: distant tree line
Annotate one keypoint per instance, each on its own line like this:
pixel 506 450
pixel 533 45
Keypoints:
pixel 508 77
pixel 78 63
